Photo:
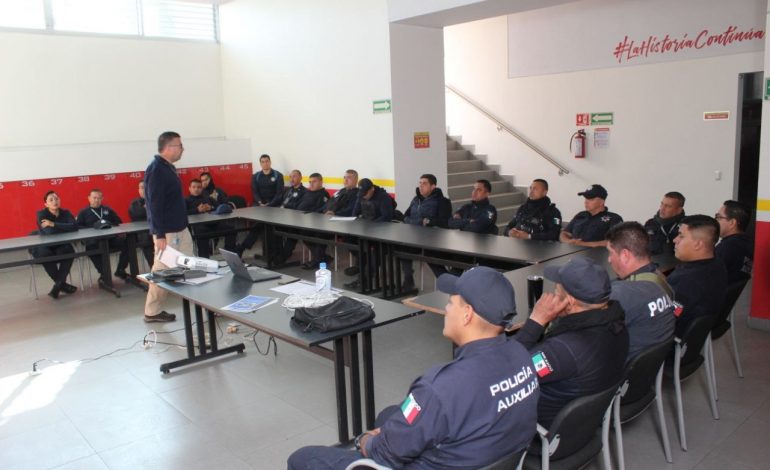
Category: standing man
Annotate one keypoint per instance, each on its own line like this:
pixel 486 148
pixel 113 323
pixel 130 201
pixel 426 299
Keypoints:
pixel 700 281
pixel 642 290
pixel 98 216
pixel 267 190
pixel 736 248
pixel 137 210
pixel 538 218
pixel 589 227
pixel 664 226
pixel 167 216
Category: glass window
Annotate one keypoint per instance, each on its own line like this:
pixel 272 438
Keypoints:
pixel 22 14
pixel 95 16
pixel 178 19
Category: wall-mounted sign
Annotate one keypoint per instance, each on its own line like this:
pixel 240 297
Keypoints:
pixel 602 137
pixel 716 115
pixel 767 88
pixel 602 119
pixel 583 119
pixel 380 106
pixel 422 140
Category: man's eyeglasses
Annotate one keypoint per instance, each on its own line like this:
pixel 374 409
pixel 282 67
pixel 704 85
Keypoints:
pixel 176 145
pixel 720 217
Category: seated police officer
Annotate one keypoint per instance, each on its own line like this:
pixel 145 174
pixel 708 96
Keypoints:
pixel 736 248
pixel 478 216
pixel 99 216
pixel 199 203
pixel 642 290
pixel 50 220
pixel 585 344
pixel 664 226
pixel 211 190
pixel 341 204
pixel 538 218
pixel 467 413
pixel 429 208
pixel 267 190
pixel 700 281
pixel 312 200
pixel 137 210
pixel 373 204
pixel 589 227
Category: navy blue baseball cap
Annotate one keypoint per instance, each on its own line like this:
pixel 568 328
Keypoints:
pixel 582 279
pixel 486 290
pixel 596 190
pixel 223 209
pixel 365 185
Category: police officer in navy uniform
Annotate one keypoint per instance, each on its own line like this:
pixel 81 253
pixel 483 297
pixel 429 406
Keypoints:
pixel 99 216
pixel 736 248
pixel 538 218
pixel 585 345
pixel 341 205
pixel 663 227
pixel 211 190
pixel 267 190
pixel 467 413
pixel 589 227
pixel 479 215
pixel 53 219
pixel 198 202
pixel 314 198
pixel 642 290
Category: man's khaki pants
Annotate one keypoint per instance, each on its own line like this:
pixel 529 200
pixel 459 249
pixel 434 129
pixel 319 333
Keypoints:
pixel 181 241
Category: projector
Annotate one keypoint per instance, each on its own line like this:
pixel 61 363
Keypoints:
pixel 203 264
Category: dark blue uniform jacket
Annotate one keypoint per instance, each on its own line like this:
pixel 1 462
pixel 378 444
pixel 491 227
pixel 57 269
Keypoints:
pixel 592 228
pixel 267 189
pixel 699 286
pixel 464 414
pixel 166 209
pixel 378 209
pixel 477 217
pixel 436 208
pixel 342 202
pixel 737 252
pixel 64 222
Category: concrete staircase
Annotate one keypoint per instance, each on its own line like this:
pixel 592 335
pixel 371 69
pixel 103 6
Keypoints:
pixel 464 168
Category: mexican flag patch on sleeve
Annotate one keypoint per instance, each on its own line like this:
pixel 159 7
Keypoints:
pixel 542 367
pixel 410 408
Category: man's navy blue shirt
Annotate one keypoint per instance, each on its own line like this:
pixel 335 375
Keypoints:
pixel 166 208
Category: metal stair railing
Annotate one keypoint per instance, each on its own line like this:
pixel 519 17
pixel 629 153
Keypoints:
pixel 501 126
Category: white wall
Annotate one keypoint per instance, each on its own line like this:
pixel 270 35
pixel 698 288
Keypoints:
pixel 418 106
pixel 299 79
pixel 659 141
pixel 58 91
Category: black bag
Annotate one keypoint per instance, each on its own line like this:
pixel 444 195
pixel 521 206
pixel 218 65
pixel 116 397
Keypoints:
pixel 175 274
pixel 342 313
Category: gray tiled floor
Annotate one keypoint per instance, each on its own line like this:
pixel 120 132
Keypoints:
pixel 252 411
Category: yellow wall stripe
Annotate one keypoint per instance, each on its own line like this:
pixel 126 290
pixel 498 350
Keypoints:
pixel 763 205
pixel 338 180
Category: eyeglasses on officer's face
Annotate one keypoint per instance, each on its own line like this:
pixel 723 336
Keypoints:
pixel 719 216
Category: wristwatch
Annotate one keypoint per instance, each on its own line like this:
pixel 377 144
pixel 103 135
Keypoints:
pixel 357 441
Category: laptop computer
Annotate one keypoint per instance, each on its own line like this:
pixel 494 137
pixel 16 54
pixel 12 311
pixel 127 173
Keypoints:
pixel 251 273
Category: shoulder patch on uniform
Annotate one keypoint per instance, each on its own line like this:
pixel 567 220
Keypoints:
pixel 606 218
pixel 542 366
pixel 678 308
pixel 490 215
pixel 410 408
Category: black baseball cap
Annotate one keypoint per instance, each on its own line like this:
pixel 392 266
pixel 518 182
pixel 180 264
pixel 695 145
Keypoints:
pixel 583 279
pixel 365 184
pixel 596 190
pixel 486 290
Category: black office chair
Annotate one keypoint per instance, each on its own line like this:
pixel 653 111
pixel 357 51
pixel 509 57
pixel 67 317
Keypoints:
pixel 687 360
pixel 509 462
pixel 641 386
pixel 578 433
pixel 724 322
pixel 238 201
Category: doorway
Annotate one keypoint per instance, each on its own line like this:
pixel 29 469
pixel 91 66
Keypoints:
pixel 747 148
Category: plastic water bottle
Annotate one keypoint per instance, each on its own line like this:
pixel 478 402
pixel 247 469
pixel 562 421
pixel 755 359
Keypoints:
pixel 323 279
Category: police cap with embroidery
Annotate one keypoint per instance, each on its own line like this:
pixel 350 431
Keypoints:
pixel 365 185
pixel 486 290
pixel 583 279
pixel 596 190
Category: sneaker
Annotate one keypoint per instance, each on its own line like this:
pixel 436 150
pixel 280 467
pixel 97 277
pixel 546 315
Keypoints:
pixel 121 274
pixel 163 316
pixel 352 271
pixel 68 288
pixel 54 293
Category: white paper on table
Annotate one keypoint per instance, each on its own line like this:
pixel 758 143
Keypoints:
pixel 199 280
pixel 343 219
pixel 169 256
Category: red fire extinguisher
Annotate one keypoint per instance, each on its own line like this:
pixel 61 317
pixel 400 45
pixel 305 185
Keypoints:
pixel 579 138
